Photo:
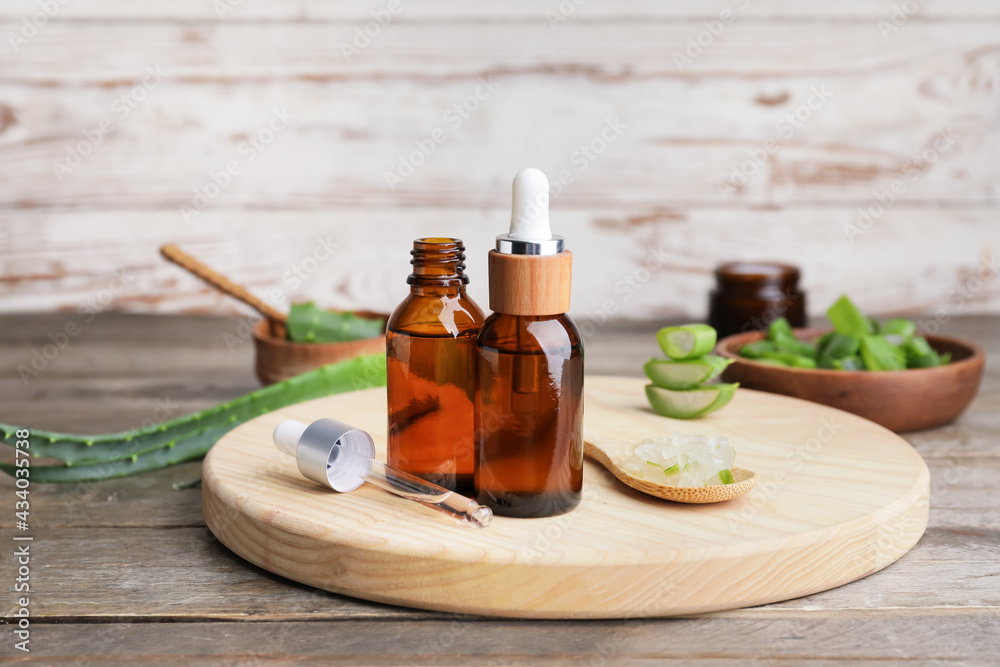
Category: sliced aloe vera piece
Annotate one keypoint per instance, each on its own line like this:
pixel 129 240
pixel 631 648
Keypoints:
pixel 690 403
pixel 848 320
pixel 757 349
pixel 853 363
pixel 919 354
pixel 686 374
pixel 898 330
pixel 309 324
pixel 685 342
pixel 881 355
pixel 789 359
pixel 839 346
pixel 726 476
pixel 778 328
pixel 789 343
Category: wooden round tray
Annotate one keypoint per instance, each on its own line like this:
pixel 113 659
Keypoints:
pixel 839 499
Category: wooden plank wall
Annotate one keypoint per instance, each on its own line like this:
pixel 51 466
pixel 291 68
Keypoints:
pixel 839 103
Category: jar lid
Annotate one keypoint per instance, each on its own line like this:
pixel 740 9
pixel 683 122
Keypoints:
pixel 757 273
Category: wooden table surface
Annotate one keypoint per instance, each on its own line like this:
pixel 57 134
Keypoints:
pixel 125 571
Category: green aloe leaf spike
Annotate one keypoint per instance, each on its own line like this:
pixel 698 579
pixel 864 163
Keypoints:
pixel 117 454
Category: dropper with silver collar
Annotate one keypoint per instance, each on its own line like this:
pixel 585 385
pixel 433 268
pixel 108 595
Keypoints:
pixel 530 233
pixel 342 458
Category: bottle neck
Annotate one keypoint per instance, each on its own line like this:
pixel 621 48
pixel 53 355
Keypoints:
pixel 438 266
pixel 447 291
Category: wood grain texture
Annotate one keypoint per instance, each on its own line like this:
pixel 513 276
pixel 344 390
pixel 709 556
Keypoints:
pixel 935 638
pixel 148 557
pixel 684 132
pixel 530 285
pixel 679 134
pixel 632 262
pixel 840 498
pixel 513 10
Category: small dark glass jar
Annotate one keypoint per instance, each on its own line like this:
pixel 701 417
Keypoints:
pixel 750 295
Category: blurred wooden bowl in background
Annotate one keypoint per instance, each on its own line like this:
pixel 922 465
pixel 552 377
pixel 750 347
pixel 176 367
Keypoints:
pixel 278 358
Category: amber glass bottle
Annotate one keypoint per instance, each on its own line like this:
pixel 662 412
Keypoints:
pixel 529 407
pixel 431 364
pixel 529 415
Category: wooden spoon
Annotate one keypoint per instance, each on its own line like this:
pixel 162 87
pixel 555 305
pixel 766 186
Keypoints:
pixel 277 319
pixel 612 454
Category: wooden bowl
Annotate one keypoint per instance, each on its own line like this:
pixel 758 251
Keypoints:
pixel 279 358
pixel 901 401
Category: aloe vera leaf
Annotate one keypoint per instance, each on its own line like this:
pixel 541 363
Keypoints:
pixel 790 359
pixel 686 374
pixel 186 450
pixel 757 348
pixel 686 342
pixel 309 324
pixel 917 346
pixel 881 355
pixel 931 360
pixel 779 327
pixel 839 346
pixel 825 362
pixel 772 362
pixel 919 354
pixel 848 320
pixel 905 329
pixel 823 340
pixel 853 363
pixel 789 343
pixel 357 373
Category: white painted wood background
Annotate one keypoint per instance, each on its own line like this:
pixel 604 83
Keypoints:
pixel 894 82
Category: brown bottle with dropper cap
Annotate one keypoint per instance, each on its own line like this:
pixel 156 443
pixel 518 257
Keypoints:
pixel 529 399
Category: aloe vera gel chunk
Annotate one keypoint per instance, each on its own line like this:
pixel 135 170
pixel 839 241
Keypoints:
pixel 684 460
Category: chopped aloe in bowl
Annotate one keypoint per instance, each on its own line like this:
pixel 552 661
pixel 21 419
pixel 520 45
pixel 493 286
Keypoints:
pixel 308 323
pixel 857 343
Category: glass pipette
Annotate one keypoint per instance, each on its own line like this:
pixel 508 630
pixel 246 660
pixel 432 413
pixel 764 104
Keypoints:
pixel 342 457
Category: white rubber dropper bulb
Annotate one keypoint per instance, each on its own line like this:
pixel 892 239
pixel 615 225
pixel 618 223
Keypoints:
pixel 529 214
pixel 287 435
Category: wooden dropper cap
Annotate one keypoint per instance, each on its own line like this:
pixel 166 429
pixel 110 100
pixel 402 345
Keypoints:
pixel 530 273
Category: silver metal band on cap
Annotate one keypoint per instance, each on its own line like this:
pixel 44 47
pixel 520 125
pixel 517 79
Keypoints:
pixel 508 246
pixel 318 460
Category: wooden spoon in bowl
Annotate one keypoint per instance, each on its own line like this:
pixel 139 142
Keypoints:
pixel 277 319
pixel 612 454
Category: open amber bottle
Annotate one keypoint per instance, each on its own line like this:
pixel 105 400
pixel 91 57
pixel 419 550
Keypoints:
pixel 431 366
pixel 529 407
